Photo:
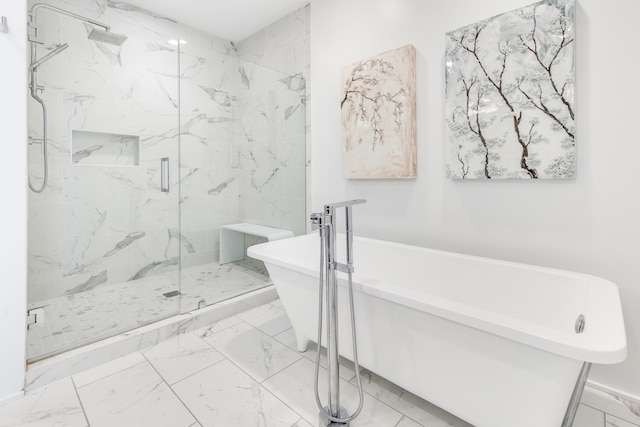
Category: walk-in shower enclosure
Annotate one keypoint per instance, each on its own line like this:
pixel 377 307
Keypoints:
pixel 152 146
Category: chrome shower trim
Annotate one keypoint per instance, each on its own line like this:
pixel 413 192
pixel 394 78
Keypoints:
pixel 37 6
pixel 48 56
pixel 334 415
pixel 35 36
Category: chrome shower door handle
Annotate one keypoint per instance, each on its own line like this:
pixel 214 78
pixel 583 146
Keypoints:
pixel 164 174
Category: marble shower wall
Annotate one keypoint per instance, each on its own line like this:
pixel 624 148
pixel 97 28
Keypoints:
pixel 243 160
pixel 272 142
pixel 112 114
pixel 209 180
pixel 233 114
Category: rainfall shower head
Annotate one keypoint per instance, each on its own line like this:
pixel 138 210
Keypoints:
pixel 107 37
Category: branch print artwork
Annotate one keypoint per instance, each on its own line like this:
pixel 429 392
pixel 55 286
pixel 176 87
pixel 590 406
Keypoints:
pixel 510 95
pixel 378 116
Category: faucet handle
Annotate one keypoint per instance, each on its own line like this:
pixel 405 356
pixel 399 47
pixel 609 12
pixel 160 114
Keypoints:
pixel 316 220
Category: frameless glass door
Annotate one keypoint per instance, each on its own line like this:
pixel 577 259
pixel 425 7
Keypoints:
pixel 243 158
pixel 104 237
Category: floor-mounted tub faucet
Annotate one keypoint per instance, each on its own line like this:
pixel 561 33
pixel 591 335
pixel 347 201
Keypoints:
pixel 333 414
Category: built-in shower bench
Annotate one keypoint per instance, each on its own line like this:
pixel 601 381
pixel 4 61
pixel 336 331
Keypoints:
pixel 232 238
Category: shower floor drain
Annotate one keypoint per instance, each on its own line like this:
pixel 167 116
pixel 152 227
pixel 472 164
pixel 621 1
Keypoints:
pixel 171 294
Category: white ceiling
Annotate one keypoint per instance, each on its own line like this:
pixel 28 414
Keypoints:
pixel 230 19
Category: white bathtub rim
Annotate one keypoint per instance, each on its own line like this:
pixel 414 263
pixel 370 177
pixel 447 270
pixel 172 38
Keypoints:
pixel 605 348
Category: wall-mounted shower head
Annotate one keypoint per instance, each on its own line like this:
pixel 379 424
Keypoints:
pixel 103 36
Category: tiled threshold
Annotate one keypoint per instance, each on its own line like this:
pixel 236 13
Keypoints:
pixel 72 362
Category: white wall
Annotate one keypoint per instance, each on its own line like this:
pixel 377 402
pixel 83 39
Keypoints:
pixel 13 187
pixel 590 224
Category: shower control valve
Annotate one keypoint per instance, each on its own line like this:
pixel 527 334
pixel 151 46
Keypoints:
pixel 317 220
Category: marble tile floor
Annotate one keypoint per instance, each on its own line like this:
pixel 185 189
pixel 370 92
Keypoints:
pixel 240 371
pixel 75 320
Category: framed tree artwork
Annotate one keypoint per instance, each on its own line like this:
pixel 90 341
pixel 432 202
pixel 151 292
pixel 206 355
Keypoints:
pixel 379 116
pixel 510 104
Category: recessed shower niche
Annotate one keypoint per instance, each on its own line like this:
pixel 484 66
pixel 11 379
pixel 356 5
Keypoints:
pixel 104 149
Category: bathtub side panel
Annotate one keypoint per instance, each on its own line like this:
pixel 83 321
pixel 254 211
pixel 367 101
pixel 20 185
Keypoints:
pixel 480 377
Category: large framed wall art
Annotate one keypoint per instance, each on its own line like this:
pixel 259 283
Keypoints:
pixel 510 95
pixel 379 116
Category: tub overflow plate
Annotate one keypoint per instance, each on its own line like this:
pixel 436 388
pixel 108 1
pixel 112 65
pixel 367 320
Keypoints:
pixel 580 324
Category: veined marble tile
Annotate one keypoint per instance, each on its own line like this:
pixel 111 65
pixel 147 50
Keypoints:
pixel 288 338
pixel 218 326
pixel 412 406
pixel 54 405
pixel 222 395
pixel 182 356
pixel 136 396
pixel 254 352
pixel 588 417
pixel 408 422
pixel 286 213
pixel 611 404
pixel 612 421
pixel 302 423
pixel 89 376
pixel 291 152
pixel 294 386
pixel 295 183
pixel 278 303
pixel 269 319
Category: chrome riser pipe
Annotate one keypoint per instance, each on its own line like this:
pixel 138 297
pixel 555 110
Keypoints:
pixel 572 409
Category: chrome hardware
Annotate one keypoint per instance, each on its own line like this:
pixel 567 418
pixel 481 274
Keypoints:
pixel 164 174
pixel 35 34
pixel 333 414
pixel 580 323
pixel 316 222
pixel 35 316
pixel 4 28
pixel 574 402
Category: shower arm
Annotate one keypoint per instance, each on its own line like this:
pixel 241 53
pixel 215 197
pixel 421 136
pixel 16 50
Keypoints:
pixel 37 6
pixel 34 34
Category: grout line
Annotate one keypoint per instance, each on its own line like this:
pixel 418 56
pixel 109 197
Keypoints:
pixel 241 370
pixel 84 412
pixel 247 373
pixel 173 391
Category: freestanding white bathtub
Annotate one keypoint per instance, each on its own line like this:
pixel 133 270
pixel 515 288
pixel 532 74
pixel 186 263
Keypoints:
pixel 492 342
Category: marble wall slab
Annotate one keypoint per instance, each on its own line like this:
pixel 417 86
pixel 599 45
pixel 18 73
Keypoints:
pixel 271 146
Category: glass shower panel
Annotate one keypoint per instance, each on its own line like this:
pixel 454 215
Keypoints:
pixel 242 160
pixel 104 237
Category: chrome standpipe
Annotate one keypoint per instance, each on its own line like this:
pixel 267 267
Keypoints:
pixel 572 409
pixel 333 415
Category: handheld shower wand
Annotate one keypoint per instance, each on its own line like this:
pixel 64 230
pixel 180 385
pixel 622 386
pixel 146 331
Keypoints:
pixel 35 36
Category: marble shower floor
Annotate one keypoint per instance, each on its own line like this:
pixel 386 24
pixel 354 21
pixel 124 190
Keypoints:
pixel 75 320
pixel 242 371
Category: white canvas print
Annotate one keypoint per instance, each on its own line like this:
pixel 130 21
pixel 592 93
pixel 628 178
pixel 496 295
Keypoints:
pixel 510 105
pixel 378 116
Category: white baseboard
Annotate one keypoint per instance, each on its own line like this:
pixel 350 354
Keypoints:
pixel 612 401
